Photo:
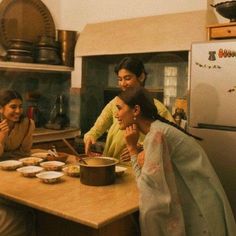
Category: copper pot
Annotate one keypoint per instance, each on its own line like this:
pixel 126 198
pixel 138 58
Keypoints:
pixel 98 171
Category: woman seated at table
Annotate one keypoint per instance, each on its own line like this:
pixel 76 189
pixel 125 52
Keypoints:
pixel 180 193
pixel 15 141
pixel 131 73
pixel 15 129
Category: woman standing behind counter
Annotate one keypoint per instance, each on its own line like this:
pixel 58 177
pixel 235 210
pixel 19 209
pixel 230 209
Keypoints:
pixel 131 73
pixel 180 193
pixel 15 129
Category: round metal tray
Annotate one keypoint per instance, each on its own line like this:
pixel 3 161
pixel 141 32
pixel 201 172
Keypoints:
pixel 24 19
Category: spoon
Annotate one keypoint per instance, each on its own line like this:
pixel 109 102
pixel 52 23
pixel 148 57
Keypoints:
pixel 74 151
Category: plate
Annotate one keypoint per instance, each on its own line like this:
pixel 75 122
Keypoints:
pixel 10 164
pixel 72 170
pixel 42 155
pixel 26 20
pixel 120 170
pixel 50 176
pixel 32 161
pixel 30 171
pixel 52 165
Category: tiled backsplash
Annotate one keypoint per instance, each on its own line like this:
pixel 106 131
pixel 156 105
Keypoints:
pixel 48 85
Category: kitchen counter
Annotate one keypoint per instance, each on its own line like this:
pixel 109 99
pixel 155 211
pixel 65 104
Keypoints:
pixel 90 206
pixel 47 135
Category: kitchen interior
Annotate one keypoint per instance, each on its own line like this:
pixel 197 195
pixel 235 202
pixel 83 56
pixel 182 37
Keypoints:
pixel 65 95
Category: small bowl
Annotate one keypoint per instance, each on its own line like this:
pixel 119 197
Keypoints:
pixel 42 155
pixel 72 170
pixel 30 171
pixel 10 164
pixel 31 161
pixel 52 165
pixel 61 157
pixel 120 170
pixel 50 176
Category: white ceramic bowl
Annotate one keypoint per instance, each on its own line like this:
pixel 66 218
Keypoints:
pixel 50 176
pixel 120 170
pixel 52 165
pixel 31 161
pixel 72 170
pixel 10 164
pixel 30 171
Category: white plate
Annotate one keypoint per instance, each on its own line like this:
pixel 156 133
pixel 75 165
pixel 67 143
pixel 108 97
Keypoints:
pixel 120 170
pixel 31 161
pixel 50 176
pixel 40 154
pixel 72 170
pixel 52 165
pixel 30 171
pixel 10 164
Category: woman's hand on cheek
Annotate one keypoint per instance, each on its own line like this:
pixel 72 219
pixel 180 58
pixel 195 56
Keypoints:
pixel 141 158
pixel 4 129
pixel 125 156
pixel 131 137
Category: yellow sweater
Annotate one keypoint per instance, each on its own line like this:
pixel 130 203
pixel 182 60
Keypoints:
pixel 115 142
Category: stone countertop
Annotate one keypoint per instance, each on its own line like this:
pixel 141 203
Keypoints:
pixel 47 135
pixel 92 206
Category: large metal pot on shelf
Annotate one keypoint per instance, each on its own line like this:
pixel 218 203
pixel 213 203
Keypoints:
pixel 47 51
pixel 20 50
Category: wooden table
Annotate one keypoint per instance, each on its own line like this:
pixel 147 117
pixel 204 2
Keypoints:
pixel 70 205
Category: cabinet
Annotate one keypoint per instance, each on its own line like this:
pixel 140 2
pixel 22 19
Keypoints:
pixel 48 80
pixel 221 31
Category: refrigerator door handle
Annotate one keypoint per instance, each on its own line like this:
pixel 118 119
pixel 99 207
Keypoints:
pixel 216 127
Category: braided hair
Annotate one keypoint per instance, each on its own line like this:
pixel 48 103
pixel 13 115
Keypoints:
pixel 140 96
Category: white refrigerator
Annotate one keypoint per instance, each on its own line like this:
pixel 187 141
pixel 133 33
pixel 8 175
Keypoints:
pixel 212 107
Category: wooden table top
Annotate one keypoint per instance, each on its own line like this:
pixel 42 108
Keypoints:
pixel 89 205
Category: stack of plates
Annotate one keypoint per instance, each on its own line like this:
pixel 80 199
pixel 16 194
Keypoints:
pixel 20 51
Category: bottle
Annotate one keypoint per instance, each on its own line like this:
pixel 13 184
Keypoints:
pixel 61 117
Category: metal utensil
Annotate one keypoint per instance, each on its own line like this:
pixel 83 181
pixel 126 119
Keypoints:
pixel 74 151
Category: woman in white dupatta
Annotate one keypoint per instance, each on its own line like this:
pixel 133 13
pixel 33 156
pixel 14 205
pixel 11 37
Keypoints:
pixel 180 193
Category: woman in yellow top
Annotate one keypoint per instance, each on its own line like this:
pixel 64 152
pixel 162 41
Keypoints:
pixel 131 73
pixel 15 141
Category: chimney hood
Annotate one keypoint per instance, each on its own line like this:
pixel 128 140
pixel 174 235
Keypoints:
pixel 170 32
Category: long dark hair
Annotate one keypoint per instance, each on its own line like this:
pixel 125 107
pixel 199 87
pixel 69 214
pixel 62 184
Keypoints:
pixel 133 65
pixel 140 96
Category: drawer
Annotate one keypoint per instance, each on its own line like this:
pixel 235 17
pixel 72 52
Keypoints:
pixel 223 32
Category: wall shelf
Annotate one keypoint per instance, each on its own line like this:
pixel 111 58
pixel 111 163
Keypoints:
pixel 33 67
